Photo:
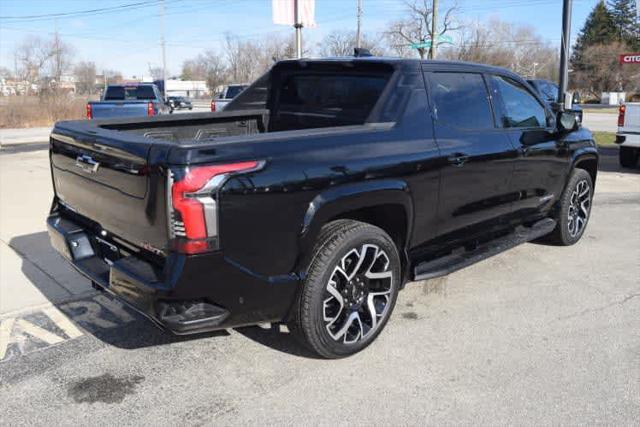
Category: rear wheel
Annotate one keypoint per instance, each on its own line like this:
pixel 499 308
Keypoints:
pixel 628 156
pixel 350 290
pixel 574 210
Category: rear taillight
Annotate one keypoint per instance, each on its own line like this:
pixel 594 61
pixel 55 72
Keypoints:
pixel 621 112
pixel 213 105
pixel 89 112
pixel 150 110
pixel 193 206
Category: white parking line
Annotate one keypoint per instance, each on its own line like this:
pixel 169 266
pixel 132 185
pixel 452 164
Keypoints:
pixel 62 322
pixel 6 326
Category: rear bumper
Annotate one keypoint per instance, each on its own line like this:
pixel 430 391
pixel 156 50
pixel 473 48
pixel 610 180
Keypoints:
pixel 628 139
pixel 189 294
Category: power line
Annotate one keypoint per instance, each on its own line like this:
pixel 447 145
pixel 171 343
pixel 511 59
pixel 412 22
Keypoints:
pixel 81 13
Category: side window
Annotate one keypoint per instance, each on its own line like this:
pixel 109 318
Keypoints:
pixel 549 91
pixel 461 100
pixel 521 109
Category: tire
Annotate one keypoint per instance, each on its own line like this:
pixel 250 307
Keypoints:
pixel 350 289
pixel 574 209
pixel 628 156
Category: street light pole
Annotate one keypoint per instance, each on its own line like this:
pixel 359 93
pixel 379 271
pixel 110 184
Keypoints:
pixel 298 26
pixel 564 50
pixel 164 57
pixel 359 14
pixel 434 30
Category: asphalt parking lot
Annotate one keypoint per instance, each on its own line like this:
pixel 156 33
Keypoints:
pixel 537 335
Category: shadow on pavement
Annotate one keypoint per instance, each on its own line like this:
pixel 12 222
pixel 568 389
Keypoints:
pixel 609 161
pixel 106 318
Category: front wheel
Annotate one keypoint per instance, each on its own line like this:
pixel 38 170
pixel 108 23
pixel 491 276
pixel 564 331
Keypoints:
pixel 350 290
pixel 574 209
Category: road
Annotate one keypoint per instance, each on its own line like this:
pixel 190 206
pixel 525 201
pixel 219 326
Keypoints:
pixel 600 122
pixel 537 335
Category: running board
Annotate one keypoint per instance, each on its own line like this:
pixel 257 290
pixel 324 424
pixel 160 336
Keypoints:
pixel 448 264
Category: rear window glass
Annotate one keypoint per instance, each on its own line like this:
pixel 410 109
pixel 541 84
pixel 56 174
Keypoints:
pixel 461 100
pixel 123 93
pixel 347 99
pixel 233 91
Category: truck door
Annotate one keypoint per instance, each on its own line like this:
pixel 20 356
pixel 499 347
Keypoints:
pixel 477 157
pixel 541 166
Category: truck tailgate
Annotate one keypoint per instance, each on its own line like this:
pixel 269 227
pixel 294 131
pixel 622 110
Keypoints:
pixel 631 118
pixel 110 182
pixel 113 109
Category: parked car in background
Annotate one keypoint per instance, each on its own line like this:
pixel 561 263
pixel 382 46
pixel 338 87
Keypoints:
pixel 128 100
pixel 179 102
pixel 548 91
pixel 628 135
pixel 317 194
pixel 229 92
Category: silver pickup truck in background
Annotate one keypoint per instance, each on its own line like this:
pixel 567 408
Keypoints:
pixel 628 135
pixel 128 100
pixel 228 93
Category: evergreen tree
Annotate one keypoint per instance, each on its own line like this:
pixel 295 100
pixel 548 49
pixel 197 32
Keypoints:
pixel 598 29
pixel 625 20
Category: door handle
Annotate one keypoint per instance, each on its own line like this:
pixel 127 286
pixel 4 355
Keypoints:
pixel 457 159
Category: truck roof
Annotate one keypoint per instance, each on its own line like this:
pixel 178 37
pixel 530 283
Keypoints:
pixel 397 61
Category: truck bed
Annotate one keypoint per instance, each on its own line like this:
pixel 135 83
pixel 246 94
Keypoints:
pixel 190 127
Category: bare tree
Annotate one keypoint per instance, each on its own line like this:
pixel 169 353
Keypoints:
pixel 113 77
pixel 208 66
pixel 342 43
pixel 156 73
pixel 32 54
pixel 61 57
pixel 85 75
pixel 241 57
pixel 503 44
pixel 416 29
pixel 5 73
pixel 604 73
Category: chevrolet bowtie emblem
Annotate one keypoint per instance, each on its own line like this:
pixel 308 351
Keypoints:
pixel 87 164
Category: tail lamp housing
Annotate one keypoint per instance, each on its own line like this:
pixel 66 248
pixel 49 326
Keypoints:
pixel 89 112
pixel 193 205
pixel 150 110
pixel 621 110
pixel 213 105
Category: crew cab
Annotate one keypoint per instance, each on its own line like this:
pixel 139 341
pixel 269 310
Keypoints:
pixel 128 100
pixel 317 194
pixel 628 135
pixel 229 92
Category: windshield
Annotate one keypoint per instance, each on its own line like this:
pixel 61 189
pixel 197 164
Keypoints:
pixel 124 93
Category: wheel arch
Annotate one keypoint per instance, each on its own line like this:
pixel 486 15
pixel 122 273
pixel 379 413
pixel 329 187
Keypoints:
pixel 588 161
pixel 384 203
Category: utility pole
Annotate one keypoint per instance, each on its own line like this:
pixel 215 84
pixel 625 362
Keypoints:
pixel 564 51
pixel 164 57
pixel 434 30
pixel 298 26
pixel 359 14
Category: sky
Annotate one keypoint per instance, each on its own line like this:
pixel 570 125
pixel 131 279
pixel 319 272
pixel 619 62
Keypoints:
pixel 128 40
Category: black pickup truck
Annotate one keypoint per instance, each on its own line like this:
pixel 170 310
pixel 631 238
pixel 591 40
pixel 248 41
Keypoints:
pixel 317 194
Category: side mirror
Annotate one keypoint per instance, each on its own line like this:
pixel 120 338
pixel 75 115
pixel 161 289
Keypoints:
pixel 567 121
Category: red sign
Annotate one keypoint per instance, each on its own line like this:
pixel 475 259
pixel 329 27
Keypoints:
pixel 630 58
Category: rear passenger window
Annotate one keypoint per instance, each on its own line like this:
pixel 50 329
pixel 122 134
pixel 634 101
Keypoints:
pixel 521 109
pixel 461 100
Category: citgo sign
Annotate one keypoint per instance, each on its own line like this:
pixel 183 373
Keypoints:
pixel 630 58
